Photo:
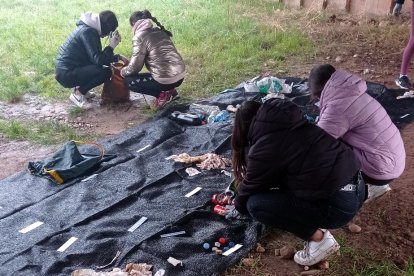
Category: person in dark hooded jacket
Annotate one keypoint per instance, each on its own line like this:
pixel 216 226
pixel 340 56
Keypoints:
pixel 81 63
pixel 294 176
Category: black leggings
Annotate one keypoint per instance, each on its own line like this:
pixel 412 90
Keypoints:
pixel 375 182
pixel 86 77
pixel 285 211
pixel 144 83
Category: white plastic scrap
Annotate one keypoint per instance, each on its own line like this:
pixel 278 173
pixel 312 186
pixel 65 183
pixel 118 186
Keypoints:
pixel 174 261
pixel 408 94
pixel 160 272
pixel 192 171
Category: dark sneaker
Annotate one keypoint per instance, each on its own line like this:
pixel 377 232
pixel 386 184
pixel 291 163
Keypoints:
pixel 403 82
pixel 397 10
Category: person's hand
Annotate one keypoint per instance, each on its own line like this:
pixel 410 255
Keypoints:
pixel 114 39
pixel 232 213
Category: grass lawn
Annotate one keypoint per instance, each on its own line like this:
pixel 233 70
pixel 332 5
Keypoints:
pixel 223 42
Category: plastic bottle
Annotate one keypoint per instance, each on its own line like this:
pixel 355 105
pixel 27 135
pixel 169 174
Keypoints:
pixel 222 116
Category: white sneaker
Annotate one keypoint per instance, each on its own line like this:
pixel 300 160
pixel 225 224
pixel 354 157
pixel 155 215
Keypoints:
pixel 90 95
pixel 80 100
pixel 314 252
pixel 377 191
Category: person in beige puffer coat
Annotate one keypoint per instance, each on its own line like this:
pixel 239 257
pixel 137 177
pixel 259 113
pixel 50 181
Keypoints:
pixel 153 47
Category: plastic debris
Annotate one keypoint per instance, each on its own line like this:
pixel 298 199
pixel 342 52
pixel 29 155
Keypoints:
pixel 204 109
pixel 160 272
pixel 222 116
pixel 217 244
pixel 207 161
pixel 192 171
pixel 206 245
pixel 408 94
pixel 111 262
pixel 141 269
pixel 222 240
pixel 233 249
pixel 91 272
pixel 193 192
pixel 174 261
pixel 172 234
pixel 194 119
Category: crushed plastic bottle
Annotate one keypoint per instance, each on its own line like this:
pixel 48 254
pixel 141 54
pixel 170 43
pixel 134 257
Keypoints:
pixel 205 109
pixel 222 116
pixel 194 119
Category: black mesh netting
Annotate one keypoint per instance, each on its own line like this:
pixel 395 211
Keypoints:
pixel 100 210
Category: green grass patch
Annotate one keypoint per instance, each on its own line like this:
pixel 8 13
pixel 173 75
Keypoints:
pixel 46 133
pixel 222 42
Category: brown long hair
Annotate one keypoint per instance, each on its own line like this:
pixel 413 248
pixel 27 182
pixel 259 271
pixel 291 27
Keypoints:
pixel 145 14
pixel 239 140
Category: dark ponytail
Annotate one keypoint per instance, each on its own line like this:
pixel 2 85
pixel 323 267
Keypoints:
pixel 145 14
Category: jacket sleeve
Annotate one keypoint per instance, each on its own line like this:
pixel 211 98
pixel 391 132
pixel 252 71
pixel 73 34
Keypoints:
pixel 93 47
pixel 332 122
pixel 137 60
pixel 258 178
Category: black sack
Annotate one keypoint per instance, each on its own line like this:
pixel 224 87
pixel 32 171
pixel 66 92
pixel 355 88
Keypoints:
pixel 67 163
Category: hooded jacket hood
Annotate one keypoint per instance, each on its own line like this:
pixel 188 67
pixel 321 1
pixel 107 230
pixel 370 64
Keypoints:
pixel 92 20
pixel 275 115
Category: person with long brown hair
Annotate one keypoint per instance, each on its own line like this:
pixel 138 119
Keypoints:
pixel 294 176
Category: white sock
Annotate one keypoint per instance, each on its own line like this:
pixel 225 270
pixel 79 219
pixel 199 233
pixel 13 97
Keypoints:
pixel 401 75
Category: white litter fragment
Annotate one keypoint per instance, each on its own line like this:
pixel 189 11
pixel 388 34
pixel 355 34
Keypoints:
pixel 67 244
pixel 192 171
pixel 170 157
pixel 89 177
pixel 403 116
pixel 137 224
pixel 141 149
pixel 172 234
pixel 174 261
pixel 111 262
pixel 30 227
pixel 226 173
pixel 233 249
pixel 196 190
pixel 408 94
pixel 160 272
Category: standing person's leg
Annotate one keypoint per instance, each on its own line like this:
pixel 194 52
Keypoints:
pixel 403 80
pixel 396 11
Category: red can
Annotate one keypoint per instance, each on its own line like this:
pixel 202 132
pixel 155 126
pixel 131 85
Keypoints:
pixel 221 199
pixel 220 210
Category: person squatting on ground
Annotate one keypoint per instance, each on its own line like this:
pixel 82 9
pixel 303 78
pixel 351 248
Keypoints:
pixel 294 176
pixel 403 81
pixel 350 114
pixel 81 62
pixel 153 47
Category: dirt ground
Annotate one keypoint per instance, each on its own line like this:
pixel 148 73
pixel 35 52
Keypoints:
pixel 370 47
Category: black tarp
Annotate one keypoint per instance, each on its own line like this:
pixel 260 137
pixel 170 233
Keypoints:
pixel 100 210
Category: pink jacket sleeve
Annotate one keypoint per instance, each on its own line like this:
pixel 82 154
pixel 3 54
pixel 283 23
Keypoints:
pixel 332 121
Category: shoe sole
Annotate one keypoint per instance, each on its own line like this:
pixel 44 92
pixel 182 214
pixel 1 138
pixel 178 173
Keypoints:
pixel 400 86
pixel 328 253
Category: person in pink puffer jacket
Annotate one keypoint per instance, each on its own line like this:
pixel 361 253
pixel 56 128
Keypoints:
pixel 350 114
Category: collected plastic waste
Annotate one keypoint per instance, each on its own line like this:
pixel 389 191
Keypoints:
pixel 221 116
pixel 204 109
pixel 194 119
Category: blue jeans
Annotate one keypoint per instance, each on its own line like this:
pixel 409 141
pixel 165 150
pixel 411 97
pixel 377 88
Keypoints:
pixel 285 211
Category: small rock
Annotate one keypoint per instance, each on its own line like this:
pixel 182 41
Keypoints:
pixel 277 252
pixel 354 228
pixel 248 262
pixel 328 58
pixel 287 252
pixel 78 118
pixel 324 265
pixel 339 59
pixel 260 248
pixel 366 71
pixel 306 267
pixel 355 56
pixel 411 236
pixel 310 272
